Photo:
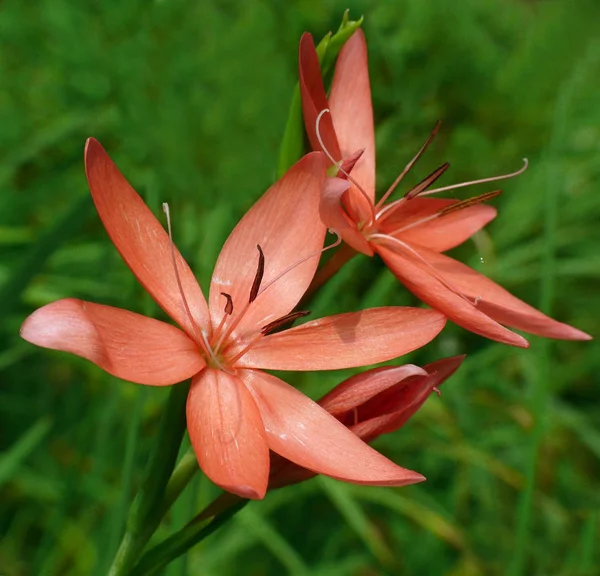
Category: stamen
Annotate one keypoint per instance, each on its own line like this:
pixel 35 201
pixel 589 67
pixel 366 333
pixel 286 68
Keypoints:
pixel 469 202
pixel 200 339
pixel 227 312
pixel 418 190
pixel 340 164
pixel 482 181
pixel 213 356
pixel 265 330
pixel 283 320
pixel 229 306
pixel 239 317
pixel 409 165
pixel 437 391
pixel 427 182
pixel 259 275
pixel 448 210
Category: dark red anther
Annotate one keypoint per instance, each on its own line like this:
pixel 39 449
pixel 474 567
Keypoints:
pixel 427 182
pixel 283 320
pixel 229 305
pixel 259 276
pixel 469 202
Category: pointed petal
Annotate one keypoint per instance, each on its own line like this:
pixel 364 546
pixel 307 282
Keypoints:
pixel 334 216
pixel 227 434
pixel 423 284
pixel 359 206
pixel 444 368
pixel 393 407
pixel 356 390
pixel 500 304
pixel 285 223
pixel 331 210
pixel 352 111
pixel 346 340
pixel 314 99
pixel 141 240
pixel 125 344
pixel 442 233
pixel 301 431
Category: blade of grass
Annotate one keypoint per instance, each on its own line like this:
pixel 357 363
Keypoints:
pixel 540 396
pixel 258 525
pixel 352 512
pixel 41 250
pixel 22 448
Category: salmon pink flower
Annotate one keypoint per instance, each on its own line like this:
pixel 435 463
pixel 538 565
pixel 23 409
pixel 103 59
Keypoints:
pixel 409 234
pixel 235 411
pixel 376 402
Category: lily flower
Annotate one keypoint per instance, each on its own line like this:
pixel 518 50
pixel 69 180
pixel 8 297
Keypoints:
pixel 376 402
pixel 411 233
pixel 236 412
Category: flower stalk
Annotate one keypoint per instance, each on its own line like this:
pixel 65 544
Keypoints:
pixel 147 510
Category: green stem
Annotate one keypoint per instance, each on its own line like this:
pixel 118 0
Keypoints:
pixel 185 470
pixel 164 553
pixel 147 509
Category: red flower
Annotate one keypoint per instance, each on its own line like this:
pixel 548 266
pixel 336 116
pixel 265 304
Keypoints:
pixel 373 403
pixel 235 411
pixel 411 233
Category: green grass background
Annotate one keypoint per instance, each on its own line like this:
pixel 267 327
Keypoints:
pixel 190 99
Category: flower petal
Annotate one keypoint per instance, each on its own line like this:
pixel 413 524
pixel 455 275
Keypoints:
pixel 498 303
pixel 442 233
pixel 423 284
pixel 285 223
pixel 227 434
pixel 346 340
pixel 314 99
pixel 359 388
pixel 393 407
pixel 141 240
pixel 301 431
pixel 352 111
pixel 333 215
pixel 125 344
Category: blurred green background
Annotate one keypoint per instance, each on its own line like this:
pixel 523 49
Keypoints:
pixel 190 99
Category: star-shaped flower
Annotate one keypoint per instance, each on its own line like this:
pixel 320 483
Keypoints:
pixel 411 233
pixel 235 411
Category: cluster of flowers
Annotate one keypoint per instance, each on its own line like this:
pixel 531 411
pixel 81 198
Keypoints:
pixel 250 430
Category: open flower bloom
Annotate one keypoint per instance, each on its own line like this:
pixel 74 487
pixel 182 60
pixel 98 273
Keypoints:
pixel 409 234
pixel 376 402
pixel 235 411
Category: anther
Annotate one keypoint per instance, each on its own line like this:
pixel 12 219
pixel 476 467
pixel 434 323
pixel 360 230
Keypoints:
pixel 427 182
pixel 408 167
pixel 259 276
pixel 283 320
pixel 482 181
pixel 200 338
pixel 229 305
pixel 469 202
